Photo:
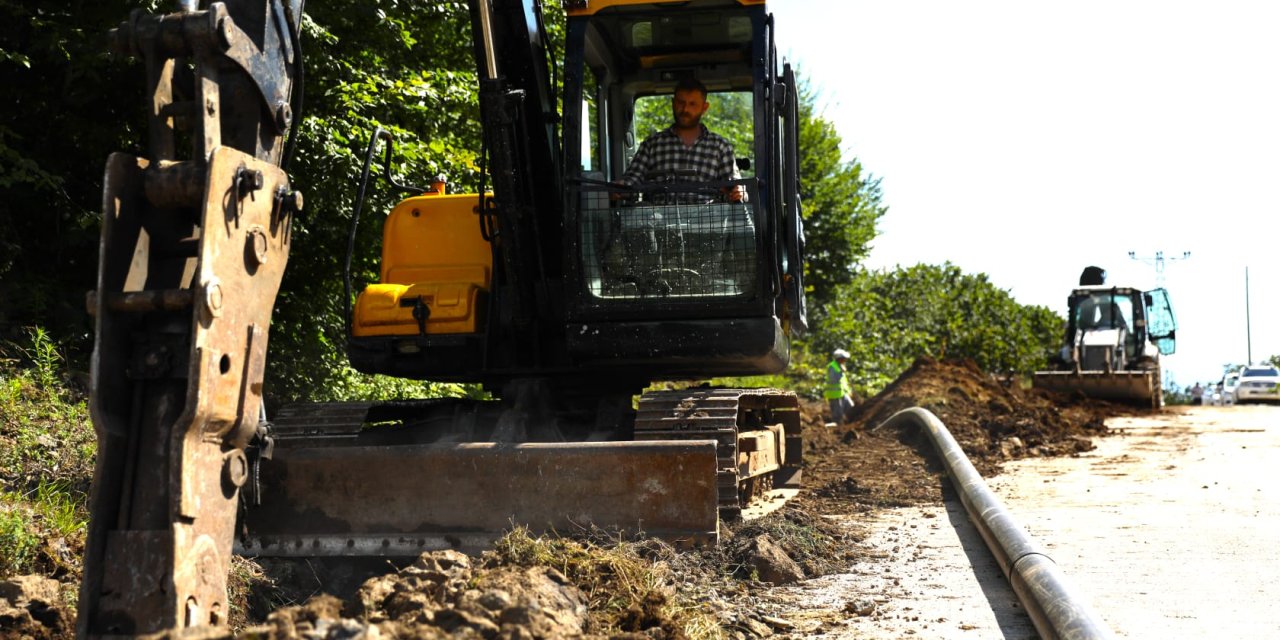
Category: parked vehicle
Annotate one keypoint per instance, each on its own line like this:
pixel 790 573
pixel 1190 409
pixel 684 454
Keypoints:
pixel 1258 383
pixel 1228 383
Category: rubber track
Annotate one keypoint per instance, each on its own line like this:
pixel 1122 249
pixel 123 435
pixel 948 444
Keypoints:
pixel 716 414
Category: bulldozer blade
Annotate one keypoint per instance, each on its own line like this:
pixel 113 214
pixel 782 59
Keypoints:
pixel 1130 386
pixel 407 499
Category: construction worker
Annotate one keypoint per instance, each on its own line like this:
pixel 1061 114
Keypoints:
pixel 838 391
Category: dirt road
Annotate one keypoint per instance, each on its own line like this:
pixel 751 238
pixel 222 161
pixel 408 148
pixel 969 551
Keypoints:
pixel 1170 526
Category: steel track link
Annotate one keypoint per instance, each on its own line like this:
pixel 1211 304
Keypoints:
pixel 721 415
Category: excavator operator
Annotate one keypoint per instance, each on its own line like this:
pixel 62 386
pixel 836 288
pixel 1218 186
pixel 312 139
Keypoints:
pixel 687 150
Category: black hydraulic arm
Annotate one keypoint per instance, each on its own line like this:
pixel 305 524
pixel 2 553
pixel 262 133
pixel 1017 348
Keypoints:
pixel 518 112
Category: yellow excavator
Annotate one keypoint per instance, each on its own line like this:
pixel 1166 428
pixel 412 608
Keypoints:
pixel 561 291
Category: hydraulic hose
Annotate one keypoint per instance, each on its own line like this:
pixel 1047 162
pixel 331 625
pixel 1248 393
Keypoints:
pixel 1056 609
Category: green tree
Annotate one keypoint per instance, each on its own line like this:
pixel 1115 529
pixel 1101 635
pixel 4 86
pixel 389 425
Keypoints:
pixel 840 203
pixel 886 319
pixel 66 104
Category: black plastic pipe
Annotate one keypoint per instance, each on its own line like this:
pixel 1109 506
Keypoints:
pixel 1056 609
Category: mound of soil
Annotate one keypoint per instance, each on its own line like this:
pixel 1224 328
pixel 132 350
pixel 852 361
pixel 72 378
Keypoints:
pixel 857 466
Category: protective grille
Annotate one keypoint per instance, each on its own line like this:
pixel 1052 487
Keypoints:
pixel 669 250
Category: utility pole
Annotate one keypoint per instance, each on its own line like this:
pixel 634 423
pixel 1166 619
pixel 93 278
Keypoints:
pixel 1158 260
pixel 1248 326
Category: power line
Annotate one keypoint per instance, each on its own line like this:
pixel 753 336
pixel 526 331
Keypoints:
pixel 1158 261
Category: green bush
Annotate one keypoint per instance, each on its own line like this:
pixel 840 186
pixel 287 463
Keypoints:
pixel 886 319
pixel 19 542
pixel 47 449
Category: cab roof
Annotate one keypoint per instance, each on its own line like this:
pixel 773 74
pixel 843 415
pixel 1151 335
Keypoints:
pixel 591 7
pixel 1103 288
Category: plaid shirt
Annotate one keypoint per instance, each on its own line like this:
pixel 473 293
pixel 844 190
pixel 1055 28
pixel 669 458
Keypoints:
pixel 710 158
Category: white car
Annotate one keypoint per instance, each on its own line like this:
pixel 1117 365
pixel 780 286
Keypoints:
pixel 1258 383
pixel 1228 384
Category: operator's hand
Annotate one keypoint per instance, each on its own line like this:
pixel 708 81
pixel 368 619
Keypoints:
pixel 617 195
pixel 736 193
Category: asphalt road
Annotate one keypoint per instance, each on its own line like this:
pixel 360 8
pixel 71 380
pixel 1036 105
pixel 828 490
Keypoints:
pixel 1171 529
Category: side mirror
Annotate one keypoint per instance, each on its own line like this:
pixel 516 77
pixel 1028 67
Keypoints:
pixel 744 164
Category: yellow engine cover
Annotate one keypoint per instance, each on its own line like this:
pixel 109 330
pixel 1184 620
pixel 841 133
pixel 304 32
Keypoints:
pixel 387 309
pixel 432 252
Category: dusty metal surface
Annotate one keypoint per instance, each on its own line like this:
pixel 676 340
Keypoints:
pixel 174 408
pixel 1134 386
pixel 402 500
pixel 191 256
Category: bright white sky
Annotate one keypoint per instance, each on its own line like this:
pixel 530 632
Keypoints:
pixel 1026 140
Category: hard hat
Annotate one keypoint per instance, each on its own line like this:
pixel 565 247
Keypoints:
pixel 840 353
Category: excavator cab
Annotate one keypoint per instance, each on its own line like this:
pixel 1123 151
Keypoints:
pixel 668 272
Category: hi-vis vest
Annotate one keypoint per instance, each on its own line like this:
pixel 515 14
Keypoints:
pixel 838 388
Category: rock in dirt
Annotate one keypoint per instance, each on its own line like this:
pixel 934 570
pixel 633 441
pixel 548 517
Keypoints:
pixel 441 595
pixel 778 623
pixel 862 607
pixel 771 563
pixel 30 607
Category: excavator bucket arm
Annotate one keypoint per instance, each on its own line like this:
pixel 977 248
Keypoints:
pixel 193 248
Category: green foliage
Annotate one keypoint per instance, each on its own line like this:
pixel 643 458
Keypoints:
pixel 68 104
pixel 47 449
pixel 886 319
pixel 19 543
pixel 44 356
pixel 45 432
pixel 38 529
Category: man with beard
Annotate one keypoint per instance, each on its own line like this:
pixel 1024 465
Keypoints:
pixel 686 151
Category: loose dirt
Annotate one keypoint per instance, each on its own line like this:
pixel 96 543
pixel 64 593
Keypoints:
pixel 856 467
pixel 602 587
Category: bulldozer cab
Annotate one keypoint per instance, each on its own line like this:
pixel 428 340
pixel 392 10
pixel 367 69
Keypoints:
pixel 1139 317
pixel 1104 310
pixel 1109 311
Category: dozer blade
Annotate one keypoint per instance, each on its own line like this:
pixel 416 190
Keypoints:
pixel 1130 386
pixel 406 499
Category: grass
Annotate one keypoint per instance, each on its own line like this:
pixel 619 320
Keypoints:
pixel 47 449
pixel 629 585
